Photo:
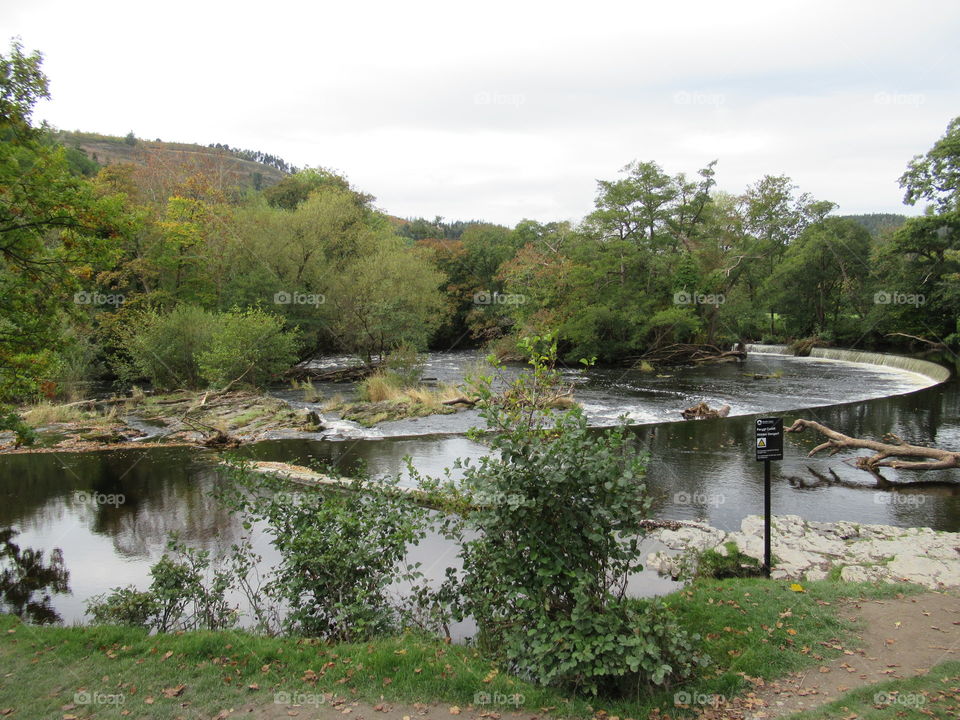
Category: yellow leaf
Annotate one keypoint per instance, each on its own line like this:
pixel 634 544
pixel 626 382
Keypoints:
pixel 797 587
pixel 454 710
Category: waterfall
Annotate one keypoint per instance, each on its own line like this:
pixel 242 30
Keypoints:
pixel 935 372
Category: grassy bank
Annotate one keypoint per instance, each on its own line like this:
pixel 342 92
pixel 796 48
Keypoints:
pixel 933 695
pixel 751 629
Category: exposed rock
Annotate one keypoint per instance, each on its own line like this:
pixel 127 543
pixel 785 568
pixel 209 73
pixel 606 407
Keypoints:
pixel 808 550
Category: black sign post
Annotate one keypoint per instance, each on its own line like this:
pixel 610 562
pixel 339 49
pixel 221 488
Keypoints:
pixel 769 443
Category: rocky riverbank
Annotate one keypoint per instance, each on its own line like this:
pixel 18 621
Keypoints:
pixel 808 550
pixel 211 419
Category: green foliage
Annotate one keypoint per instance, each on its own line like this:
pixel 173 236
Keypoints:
pixel 56 229
pixel 384 300
pixel 165 347
pixel 185 594
pixel 733 564
pixel 249 347
pixel 11 420
pixel 547 552
pixel 293 190
pixel 339 552
pixel 935 177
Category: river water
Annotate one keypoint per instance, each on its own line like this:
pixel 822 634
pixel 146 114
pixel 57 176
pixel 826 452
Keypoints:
pixel 701 470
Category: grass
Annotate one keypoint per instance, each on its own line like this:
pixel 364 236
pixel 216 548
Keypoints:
pixel 46 413
pixel 933 695
pixel 383 397
pixel 750 627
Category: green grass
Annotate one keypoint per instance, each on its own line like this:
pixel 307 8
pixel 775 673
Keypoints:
pixel 745 624
pixel 934 695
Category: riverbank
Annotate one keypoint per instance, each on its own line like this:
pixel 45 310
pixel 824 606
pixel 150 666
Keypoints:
pixel 808 550
pixel 208 418
pixel 754 631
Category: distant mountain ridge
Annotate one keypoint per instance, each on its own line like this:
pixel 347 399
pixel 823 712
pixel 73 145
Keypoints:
pixel 181 158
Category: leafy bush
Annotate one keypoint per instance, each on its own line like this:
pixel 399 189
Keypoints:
pixel 164 347
pixel 552 541
pixel 733 564
pixel 248 346
pixel 183 595
pixel 10 420
pixel 339 552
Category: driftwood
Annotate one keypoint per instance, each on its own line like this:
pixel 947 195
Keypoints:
pixel 702 411
pixel 686 354
pixel 337 375
pixel 462 400
pixel 884 452
pixel 217 439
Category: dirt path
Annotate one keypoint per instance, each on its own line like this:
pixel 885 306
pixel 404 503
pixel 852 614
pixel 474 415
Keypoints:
pixel 901 638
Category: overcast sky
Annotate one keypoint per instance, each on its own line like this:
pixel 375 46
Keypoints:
pixel 510 110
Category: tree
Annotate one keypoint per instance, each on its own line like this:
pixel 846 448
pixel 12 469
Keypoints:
pixel 935 177
pixel 822 277
pixel 921 262
pixel 56 229
pixel 384 300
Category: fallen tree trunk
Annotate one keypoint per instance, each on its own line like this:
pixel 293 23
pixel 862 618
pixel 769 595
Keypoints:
pixel 462 400
pixel 336 375
pixel 687 354
pixel 893 447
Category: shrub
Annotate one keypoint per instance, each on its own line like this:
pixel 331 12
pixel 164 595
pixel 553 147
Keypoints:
pixel 339 550
pixel 733 564
pixel 164 348
pixel 249 347
pixel 552 540
pixel 184 594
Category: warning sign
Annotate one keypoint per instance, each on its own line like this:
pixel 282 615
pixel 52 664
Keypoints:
pixel 770 439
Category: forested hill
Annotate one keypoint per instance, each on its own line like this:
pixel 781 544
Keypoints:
pixel 878 223
pixel 239 168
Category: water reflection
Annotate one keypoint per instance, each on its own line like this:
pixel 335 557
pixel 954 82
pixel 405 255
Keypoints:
pixel 27 580
pixel 697 470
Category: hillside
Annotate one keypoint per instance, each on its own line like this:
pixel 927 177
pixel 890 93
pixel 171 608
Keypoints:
pixel 181 159
pixel 879 223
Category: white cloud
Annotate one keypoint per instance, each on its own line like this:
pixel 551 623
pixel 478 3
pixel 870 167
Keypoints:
pixel 504 110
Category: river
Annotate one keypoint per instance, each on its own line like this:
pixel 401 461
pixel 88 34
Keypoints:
pixel 701 470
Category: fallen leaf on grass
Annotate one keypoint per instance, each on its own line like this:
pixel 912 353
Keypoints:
pixel 173 692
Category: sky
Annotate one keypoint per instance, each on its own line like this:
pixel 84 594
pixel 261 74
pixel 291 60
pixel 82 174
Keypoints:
pixel 509 110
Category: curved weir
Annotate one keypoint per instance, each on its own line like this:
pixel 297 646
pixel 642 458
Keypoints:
pixel 935 372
